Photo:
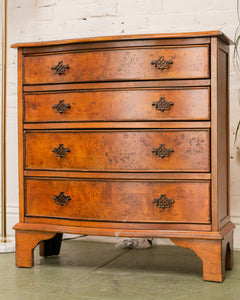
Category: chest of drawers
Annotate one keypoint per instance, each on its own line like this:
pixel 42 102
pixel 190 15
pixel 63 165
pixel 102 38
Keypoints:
pixel 125 136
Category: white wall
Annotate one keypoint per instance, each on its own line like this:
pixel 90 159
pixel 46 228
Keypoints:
pixel 37 20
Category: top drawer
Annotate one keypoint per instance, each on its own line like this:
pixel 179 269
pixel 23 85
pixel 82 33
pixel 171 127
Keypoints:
pixel 119 64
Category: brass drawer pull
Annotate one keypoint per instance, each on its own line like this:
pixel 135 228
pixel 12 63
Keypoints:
pixel 163 202
pixel 162 63
pixel 61 107
pixel 162 104
pixel 162 151
pixel 60 151
pixel 60 68
pixel 61 199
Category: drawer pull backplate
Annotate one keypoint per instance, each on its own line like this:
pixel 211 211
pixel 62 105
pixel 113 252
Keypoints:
pixel 61 107
pixel 162 63
pixel 61 199
pixel 162 151
pixel 163 202
pixel 162 104
pixel 60 68
pixel 60 151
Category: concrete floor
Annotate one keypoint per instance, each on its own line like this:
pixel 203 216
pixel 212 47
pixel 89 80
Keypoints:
pixel 94 270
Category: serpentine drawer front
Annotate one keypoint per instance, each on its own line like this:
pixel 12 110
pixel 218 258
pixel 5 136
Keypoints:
pixel 118 64
pixel 119 201
pixel 125 136
pixel 127 105
pixel 155 150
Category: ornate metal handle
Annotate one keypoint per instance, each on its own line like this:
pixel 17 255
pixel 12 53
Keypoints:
pixel 61 107
pixel 60 68
pixel 162 151
pixel 61 199
pixel 163 202
pixel 162 63
pixel 60 151
pixel 162 104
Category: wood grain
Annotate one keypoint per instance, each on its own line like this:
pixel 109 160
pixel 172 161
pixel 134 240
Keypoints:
pixel 121 201
pixel 132 231
pixel 20 136
pixel 215 261
pixel 223 154
pixel 131 105
pixel 120 85
pixel 26 241
pixel 212 263
pixel 119 150
pixel 119 175
pixel 180 35
pixel 119 125
pixel 127 64
pixel 112 176
pixel 155 227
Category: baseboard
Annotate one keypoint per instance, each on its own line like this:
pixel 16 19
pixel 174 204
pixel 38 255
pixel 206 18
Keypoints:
pixel 12 219
pixel 236 239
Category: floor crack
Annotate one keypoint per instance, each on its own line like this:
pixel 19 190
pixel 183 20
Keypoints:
pixel 111 260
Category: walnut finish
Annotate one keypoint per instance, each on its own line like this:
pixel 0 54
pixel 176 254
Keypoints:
pixel 126 64
pixel 125 136
pixel 26 241
pixel 120 201
pixel 119 150
pixel 186 104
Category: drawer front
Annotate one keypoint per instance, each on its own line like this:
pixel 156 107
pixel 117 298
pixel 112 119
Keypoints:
pixel 107 65
pixel 130 105
pixel 123 150
pixel 120 201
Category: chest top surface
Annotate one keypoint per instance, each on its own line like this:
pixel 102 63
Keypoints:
pixel 200 34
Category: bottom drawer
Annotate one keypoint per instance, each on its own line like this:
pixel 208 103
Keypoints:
pixel 119 201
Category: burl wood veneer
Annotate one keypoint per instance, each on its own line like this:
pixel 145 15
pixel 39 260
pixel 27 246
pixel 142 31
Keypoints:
pixel 125 136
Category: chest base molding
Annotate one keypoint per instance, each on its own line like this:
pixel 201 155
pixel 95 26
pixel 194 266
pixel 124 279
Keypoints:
pixel 219 244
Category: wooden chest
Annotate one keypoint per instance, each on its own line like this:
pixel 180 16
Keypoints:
pixel 125 136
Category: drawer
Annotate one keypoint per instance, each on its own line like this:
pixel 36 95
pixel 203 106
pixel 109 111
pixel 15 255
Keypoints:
pixel 118 150
pixel 122 105
pixel 120 201
pixel 121 64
